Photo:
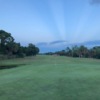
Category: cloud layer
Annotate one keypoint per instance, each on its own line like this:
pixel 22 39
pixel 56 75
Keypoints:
pixel 92 2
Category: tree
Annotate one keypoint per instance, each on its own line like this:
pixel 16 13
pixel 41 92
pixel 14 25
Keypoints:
pixel 83 51
pixel 36 50
pixel 5 39
pixel 32 50
pixel 10 48
pixel 75 51
pixel 95 52
pixel 68 51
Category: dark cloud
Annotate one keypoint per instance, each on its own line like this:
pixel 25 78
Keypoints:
pixel 95 2
pixel 57 42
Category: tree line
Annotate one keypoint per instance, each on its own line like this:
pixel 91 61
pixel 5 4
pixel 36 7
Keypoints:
pixel 79 51
pixel 9 47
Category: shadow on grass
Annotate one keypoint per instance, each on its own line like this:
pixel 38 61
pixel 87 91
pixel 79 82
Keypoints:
pixel 10 66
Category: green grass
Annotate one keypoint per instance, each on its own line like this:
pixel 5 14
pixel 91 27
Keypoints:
pixel 50 78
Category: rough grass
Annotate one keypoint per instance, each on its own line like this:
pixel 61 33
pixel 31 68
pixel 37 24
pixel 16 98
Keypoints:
pixel 50 78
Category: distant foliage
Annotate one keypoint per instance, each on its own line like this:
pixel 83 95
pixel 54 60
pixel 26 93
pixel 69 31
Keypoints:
pixel 79 51
pixel 10 48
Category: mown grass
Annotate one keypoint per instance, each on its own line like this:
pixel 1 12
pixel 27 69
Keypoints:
pixel 50 78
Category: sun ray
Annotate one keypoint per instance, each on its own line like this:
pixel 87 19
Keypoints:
pixel 58 14
pixel 82 22
pixel 42 25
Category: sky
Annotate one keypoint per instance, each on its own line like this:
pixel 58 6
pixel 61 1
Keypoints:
pixel 36 21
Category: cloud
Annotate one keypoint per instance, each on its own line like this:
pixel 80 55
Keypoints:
pixel 57 42
pixel 52 48
pixel 92 2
